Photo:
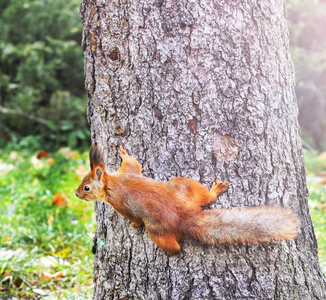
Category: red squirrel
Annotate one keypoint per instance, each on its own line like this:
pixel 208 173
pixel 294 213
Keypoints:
pixel 173 209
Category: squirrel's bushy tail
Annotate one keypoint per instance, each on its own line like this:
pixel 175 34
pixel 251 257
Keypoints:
pixel 241 225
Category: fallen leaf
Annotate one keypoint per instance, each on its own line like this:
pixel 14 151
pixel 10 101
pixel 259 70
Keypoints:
pixel 6 255
pixel 81 172
pixel 40 163
pixel 64 151
pixel 60 200
pixel 35 182
pixel 5 168
pixel 72 155
pixel 77 288
pixel 6 274
pixel 323 156
pixel 321 173
pixel 90 282
pixel 50 162
pixel 63 253
pixel 13 155
pixel 48 261
pixel 321 177
pixel 47 276
pixel 323 181
pixel 84 218
pixel 321 206
pixel 42 154
pixel 51 219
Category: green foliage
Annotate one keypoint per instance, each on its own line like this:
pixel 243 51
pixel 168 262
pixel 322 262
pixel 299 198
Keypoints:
pixel 317 205
pixel 307 22
pixel 316 179
pixel 39 236
pixel 41 71
pixel 41 75
pixel 314 162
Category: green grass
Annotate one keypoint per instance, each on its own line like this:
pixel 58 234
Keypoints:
pixel 39 238
pixel 316 179
pixel 317 205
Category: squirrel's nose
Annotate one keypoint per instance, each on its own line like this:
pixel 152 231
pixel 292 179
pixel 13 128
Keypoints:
pixel 76 193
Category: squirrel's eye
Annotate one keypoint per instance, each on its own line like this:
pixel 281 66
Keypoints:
pixel 87 188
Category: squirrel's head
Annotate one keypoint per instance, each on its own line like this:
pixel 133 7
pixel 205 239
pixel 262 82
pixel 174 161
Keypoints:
pixel 92 186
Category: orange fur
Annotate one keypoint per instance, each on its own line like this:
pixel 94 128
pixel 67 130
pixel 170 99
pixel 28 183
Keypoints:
pixel 170 210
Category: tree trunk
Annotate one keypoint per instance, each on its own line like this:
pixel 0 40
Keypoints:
pixel 200 89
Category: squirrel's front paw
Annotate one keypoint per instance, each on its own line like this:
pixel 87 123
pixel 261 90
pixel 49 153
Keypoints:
pixel 122 151
pixel 137 224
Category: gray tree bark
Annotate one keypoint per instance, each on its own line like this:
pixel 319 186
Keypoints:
pixel 179 83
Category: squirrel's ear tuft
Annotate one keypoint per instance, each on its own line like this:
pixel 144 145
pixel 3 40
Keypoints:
pixel 99 172
pixel 96 158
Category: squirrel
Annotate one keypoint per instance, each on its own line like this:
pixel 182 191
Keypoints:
pixel 173 209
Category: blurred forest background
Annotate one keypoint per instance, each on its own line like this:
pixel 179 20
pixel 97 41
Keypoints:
pixel 46 233
pixel 42 80
pixel 42 95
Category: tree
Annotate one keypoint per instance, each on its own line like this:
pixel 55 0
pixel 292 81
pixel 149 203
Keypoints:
pixel 179 83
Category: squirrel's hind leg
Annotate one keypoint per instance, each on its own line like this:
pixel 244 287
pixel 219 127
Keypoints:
pixel 167 242
pixel 210 196
pixel 218 188
pixel 129 164
pixel 195 193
